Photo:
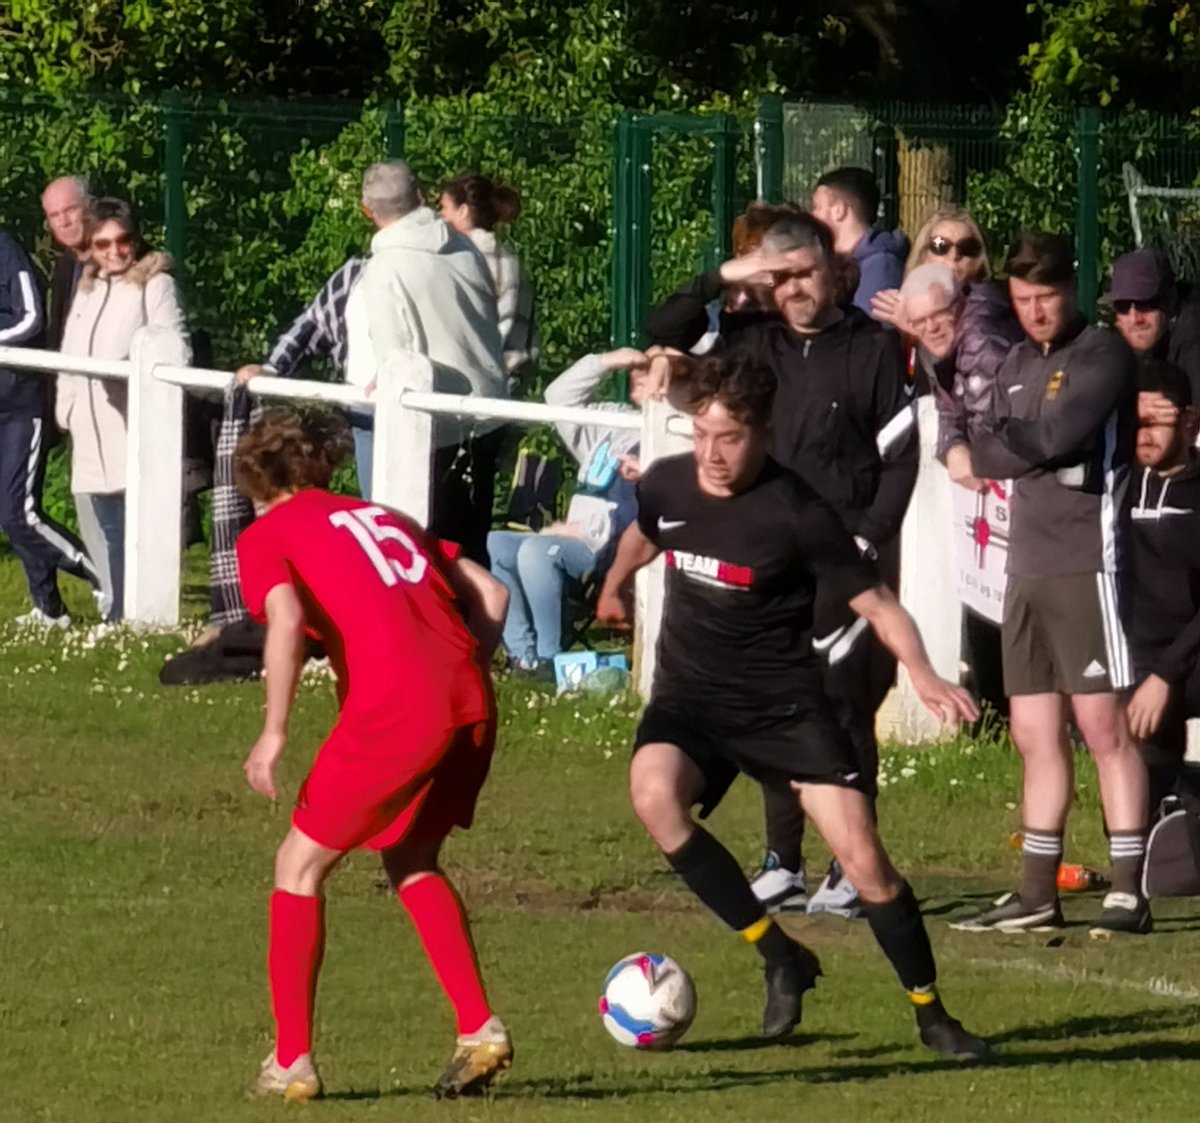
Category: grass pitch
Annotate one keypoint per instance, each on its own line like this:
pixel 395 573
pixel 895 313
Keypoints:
pixel 135 866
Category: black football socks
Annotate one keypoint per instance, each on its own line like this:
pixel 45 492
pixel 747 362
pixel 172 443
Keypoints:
pixel 713 874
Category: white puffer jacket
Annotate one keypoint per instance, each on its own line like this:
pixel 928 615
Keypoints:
pixel 104 315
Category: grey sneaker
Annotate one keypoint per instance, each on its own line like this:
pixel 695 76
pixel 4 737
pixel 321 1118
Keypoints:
pixel 1008 914
pixel 1124 914
pixel 298 1083
pixel 835 895
pixel 779 889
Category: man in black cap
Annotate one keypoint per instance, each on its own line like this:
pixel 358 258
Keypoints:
pixel 1152 314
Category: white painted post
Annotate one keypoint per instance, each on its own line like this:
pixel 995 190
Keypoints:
pixel 656 443
pixel 928 588
pixel 402 464
pixel 154 481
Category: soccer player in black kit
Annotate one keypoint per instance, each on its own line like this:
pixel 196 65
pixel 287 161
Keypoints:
pixel 738 688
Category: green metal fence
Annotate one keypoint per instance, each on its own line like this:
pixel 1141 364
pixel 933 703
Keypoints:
pixel 259 200
pixel 1033 165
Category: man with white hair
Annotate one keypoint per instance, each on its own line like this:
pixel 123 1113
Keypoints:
pixel 965 333
pixel 67 204
pixel 426 289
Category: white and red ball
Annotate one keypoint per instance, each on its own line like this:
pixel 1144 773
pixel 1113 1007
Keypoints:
pixel 648 1001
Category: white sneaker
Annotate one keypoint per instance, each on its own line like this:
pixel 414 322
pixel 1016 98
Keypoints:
pixel 780 889
pixel 43 620
pixel 835 894
pixel 298 1083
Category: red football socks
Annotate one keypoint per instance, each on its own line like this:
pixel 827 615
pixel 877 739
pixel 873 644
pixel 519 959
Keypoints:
pixel 297 945
pixel 441 922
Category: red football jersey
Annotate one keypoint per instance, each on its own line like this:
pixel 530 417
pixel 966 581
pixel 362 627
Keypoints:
pixel 374 588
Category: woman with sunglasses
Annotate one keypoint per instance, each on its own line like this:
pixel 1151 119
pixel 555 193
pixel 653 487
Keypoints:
pixel 959 339
pixel 124 287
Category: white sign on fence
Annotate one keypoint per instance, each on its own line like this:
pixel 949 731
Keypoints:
pixel 981 526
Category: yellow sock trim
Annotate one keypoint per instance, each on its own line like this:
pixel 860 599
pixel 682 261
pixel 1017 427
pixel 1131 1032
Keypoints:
pixel 922 997
pixel 757 930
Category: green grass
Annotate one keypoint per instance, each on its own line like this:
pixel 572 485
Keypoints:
pixel 135 867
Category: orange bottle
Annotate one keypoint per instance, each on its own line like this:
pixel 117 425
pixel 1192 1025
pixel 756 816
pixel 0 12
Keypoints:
pixel 1078 879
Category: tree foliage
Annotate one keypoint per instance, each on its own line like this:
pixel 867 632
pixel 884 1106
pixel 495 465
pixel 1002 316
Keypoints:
pixel 1117 52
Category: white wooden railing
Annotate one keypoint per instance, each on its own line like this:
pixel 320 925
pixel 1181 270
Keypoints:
pixel 405 406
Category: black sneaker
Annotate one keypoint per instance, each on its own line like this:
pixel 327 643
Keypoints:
pixel 1122 914
pixel 787 980
pixel 1008 914
pixel 944 1034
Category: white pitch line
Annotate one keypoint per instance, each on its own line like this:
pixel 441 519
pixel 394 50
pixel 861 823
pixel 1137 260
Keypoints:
pixel 1159 985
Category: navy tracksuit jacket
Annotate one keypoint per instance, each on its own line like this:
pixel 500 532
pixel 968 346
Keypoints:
pixel 42 545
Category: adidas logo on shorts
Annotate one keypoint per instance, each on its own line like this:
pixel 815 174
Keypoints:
pixel 1095 669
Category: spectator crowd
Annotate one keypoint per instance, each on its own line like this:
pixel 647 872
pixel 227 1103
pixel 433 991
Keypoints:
pixel 1089 431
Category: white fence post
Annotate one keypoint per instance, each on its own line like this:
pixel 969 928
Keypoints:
pixel 656 443
pixel 402 457
pixel 154 480
pixel 928 587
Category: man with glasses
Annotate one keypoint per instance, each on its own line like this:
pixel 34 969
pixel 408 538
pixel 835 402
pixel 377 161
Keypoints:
pixel 844 421
pixel 1152 315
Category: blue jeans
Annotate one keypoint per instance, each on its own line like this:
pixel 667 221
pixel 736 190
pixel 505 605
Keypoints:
pixel 362 425
pixel 533 567
pixel 105 542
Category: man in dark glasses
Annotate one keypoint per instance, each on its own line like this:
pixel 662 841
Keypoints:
pixel 1152 315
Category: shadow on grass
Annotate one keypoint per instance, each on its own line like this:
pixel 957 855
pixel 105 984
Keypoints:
pixel 753 1042
pixel 863 1066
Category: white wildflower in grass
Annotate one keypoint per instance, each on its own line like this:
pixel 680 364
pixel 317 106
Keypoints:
pixel 908 772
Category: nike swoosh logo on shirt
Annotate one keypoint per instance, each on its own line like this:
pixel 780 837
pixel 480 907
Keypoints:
pixel 670 524
pixel 1018 386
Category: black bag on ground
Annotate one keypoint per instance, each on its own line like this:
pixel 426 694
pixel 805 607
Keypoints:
pixel 235 655
pixel 1172 867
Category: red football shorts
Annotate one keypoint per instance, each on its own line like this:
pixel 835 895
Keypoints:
pixel 376 795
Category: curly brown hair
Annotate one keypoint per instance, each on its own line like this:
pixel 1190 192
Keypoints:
pixel 289 450
pixel 738 381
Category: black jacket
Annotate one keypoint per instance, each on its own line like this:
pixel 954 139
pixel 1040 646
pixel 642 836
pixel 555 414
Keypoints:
pixel 22 393
pixel 844 417
pixel 63 282
pixel 1164 593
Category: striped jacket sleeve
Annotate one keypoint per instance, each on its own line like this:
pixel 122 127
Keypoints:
pixel 897 441
pixel 21 314
pixel 320 330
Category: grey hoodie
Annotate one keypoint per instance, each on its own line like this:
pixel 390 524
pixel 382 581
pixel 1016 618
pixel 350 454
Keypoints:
pixel 603 504
pixel 427 289
pixel 1062 428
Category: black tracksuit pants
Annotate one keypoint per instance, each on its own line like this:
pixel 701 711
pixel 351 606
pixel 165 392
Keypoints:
pixel 859 673
pixel 42 546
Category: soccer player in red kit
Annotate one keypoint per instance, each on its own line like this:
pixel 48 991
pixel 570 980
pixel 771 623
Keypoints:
pixel 409 626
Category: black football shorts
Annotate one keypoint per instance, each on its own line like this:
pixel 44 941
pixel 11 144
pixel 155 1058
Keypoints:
pixel 775 744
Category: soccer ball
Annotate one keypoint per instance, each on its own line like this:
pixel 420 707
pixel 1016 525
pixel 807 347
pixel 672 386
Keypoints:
pixel 648 1001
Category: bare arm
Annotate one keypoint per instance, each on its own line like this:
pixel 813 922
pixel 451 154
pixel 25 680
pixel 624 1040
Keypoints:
pixel 283 656
pixel 897 631
pixel 635 551
pixel 484 601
